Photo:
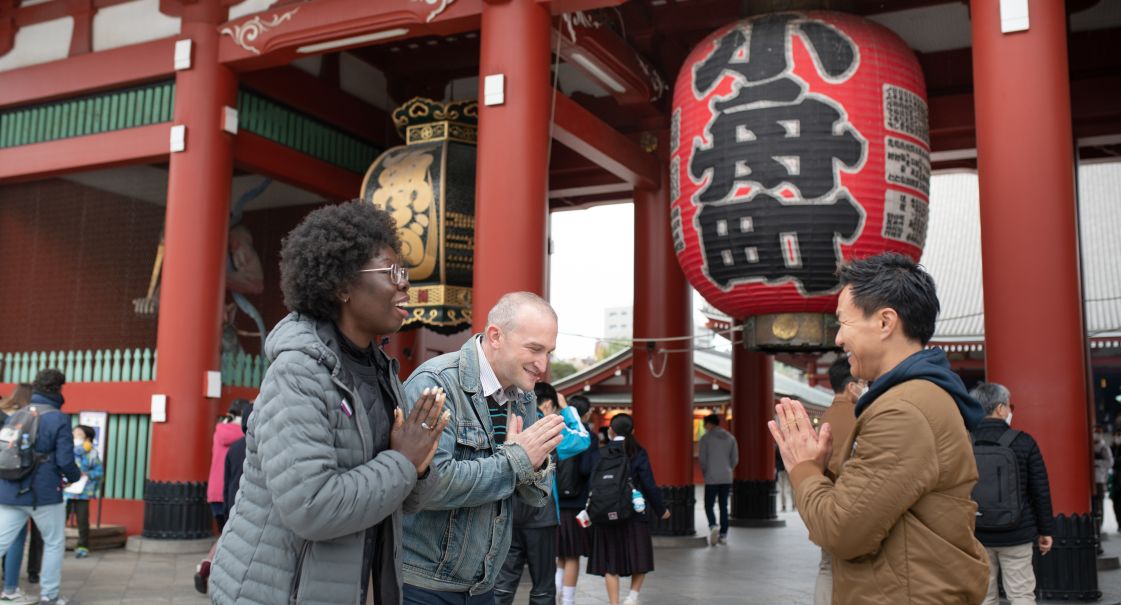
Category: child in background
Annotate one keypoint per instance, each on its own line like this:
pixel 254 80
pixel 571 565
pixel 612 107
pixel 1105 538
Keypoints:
pixel 79 494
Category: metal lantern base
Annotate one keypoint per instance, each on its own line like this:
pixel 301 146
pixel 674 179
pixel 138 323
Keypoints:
pixel 790 332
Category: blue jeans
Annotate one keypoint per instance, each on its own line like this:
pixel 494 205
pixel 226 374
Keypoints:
pixel 711 494
pixel 13 560
pixel 51 520
pixel 422 596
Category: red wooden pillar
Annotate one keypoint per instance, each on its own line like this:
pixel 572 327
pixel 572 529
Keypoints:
pixel 663 382
pixel 403 346
pixel 1030 250
pixel 511 205
pixel 191 292
pixel 753 399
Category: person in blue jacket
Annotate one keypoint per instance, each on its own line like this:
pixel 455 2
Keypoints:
pixel 39 494
pixel 574 540
pixel 534 542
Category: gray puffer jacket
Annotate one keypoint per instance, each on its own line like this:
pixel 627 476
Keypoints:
pixel 311 484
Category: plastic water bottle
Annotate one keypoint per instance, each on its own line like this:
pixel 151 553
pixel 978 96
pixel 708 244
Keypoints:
pixel 638 501
pixel 25 450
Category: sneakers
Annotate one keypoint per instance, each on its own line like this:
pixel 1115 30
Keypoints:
pixel 81 552
pixel 632 599
pixel 713 535
pixel 723 540
pixel 17 596
pixel 56 601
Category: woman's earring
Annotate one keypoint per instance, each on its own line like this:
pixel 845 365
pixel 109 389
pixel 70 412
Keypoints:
pixel 346 300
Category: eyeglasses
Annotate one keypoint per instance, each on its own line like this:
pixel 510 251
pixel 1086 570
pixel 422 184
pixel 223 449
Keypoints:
pixel 397 273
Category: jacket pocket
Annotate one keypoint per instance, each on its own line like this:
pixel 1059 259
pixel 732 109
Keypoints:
pixel 294 592
pixel 471 442
pixel 450 553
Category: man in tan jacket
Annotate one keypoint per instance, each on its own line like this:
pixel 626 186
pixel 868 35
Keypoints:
pixel 841 418
pixel 899 519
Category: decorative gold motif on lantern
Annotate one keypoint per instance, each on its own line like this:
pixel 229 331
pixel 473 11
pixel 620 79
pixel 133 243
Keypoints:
pixel 405 191
pixel 428 186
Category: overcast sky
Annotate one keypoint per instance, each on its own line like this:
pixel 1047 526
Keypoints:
pixel 592 269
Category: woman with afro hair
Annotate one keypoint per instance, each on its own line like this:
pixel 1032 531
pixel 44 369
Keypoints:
pixel 331 462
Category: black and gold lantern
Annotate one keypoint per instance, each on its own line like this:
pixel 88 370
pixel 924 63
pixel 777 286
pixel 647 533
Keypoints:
pixel 428 185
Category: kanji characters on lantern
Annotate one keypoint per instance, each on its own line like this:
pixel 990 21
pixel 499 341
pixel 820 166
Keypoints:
pixel 798 140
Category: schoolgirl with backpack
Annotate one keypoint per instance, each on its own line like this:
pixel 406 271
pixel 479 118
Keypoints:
pixel 622 495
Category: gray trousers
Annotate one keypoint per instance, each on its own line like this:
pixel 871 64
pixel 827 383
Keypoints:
pixel 538 549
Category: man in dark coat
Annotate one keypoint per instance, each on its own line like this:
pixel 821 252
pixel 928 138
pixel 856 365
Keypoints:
pixel 1010 550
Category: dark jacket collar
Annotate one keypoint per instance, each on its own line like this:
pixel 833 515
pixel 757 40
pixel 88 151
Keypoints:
pixel 370 356
pixel 47 399
pixel 933 366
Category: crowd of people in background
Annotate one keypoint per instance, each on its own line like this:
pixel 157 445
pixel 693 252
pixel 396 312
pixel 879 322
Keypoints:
pixel 442 489
pixel 342 484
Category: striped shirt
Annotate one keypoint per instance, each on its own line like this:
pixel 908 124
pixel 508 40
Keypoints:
pixel 497 397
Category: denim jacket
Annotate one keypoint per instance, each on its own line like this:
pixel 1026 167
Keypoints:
pixel 459 540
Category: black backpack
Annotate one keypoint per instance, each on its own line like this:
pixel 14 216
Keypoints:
pixel 609 496
pixel 997 492
pixel 568 477
pixel 18 458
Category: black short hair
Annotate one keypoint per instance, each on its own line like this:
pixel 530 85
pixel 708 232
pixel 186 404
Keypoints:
pixel 545 391
pixel 325 251
pixel 840 375
pixel 88 430
pixel 581 404
pixel 237 407
pixel 622 424
pixel 49 381
pixel 895 281
pixel 713 419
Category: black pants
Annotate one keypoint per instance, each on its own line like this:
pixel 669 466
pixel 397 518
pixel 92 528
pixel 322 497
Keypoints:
pixel 1117 504
pixel 1097 505
pixel 81 511
pixel 712 493
pixel 538 548
pixel 413 595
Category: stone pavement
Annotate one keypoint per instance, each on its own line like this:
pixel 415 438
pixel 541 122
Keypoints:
pixel 771 566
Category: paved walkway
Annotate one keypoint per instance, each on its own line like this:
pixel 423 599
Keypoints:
pixel 772 566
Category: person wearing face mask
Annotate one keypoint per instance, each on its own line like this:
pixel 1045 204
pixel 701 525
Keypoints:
pixel 494 449
pixel 79 494
pixel 1010 550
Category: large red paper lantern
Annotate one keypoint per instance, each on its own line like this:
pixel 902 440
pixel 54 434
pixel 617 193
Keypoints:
pixel 799 140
